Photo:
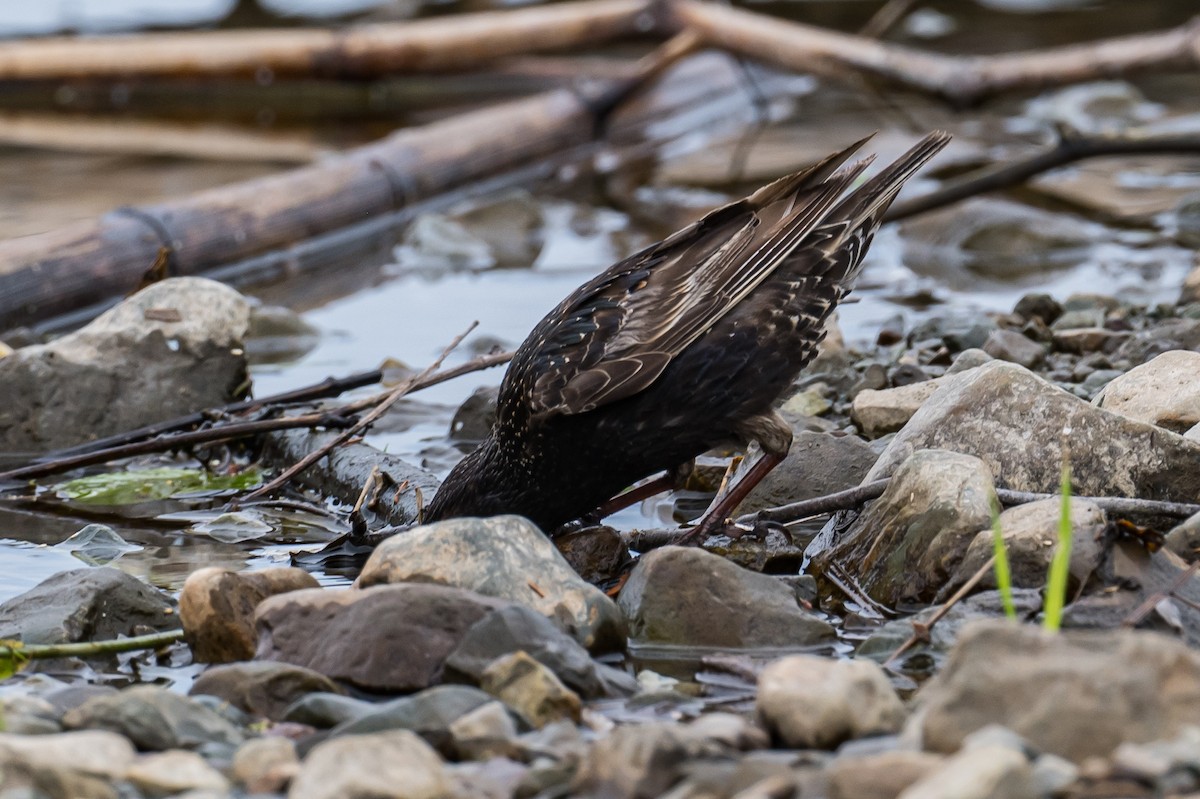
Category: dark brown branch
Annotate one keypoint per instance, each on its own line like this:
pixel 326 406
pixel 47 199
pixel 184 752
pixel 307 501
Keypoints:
pixel 959 80
pixel 1071 147
pixel 381 408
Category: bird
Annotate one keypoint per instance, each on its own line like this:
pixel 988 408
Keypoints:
pixel 676 349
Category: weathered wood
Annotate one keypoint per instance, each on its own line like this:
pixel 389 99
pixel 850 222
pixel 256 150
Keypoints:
pixel 959 80
pixel 449 43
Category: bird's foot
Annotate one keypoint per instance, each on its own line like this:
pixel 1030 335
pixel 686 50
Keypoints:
pixel 758 530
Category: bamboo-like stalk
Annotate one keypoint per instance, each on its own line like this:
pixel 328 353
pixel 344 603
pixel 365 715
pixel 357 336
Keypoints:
pixel 959 80
pixel 458 42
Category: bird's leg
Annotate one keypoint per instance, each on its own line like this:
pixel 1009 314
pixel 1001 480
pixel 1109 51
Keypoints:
pixel 775 436
pixel 668 481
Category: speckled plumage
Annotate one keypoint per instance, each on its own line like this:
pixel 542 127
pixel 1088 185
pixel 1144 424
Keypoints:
pixel 677 348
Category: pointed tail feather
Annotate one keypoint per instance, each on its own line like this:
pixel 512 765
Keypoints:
pixel 872 199
pixel 789 185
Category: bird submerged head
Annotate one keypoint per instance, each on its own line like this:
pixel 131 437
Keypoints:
pixel 477 486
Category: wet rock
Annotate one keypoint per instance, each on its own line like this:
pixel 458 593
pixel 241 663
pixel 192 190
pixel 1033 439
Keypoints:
pixel 642 761
pixel 1030 540
pixel 1038 306
pixel 390 638
pixel 435 241
pixel 93 753
pixel 263 689
pixel 1170 334
pixel 986 772
pixel 530 689
pixel 1164 391
pixel 72 696
pixel 473 420
pixel 86 605
pixel 486 732
pixel 172 348
pixel 505 557
pixel 1076 318
pixel 168 773
pixel 1044 687
pixel 968 359
pixel 906 374
pixel 154 719
pixel 379 764
pixel 810 702
pixel 279 335
pixel 906 544
pixel 886 411
pixel 324 710
pixel 1184 538
pixel 674 593
pixel 1084 340
pixel 929 656
pixel 1015 421
pixel 511 225
pixel 265 765
pixel 518 628
pixel 844 461
pixel 429 714
pixel 217 606
pixel 30 715
pixel 1009 345
pixel 597 554
pixel 879 776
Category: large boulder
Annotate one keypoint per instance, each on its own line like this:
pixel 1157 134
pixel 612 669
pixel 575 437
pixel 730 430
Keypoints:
pixel 1164 391
pixel 844 460
pixel 505 557
pixel 172 348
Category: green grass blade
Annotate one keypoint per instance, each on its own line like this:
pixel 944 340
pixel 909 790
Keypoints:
pixel 1060 565
pixel 1003 573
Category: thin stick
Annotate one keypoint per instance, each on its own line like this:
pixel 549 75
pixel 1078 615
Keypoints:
pixel 1143 610
pixel 890 14
pixel 1121 506
pixel 921 629
pixel 387 402
pixel 1070 147
pixel 90 648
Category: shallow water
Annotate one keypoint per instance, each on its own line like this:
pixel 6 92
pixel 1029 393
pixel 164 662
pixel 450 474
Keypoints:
pixel 372 312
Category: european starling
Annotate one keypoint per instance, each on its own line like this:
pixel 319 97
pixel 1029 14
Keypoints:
pixel 676 349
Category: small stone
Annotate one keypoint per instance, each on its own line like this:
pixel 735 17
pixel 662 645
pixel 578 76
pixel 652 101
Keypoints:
pixel 265 765
pixel 1164 391
pixel 324 710
pixel 154 719
pixel 907 374
pixel 810 402
pixel 674 593
pixel 484 733
pixel 1084 340
pixel 811 702
pixel 989 772
pixel 1053 774
pixel 641 760
pixel 95 753
pixel 474 418
pixel 881 412
pixel 845 461
pixel 1009 345
pixel 1184 539
pixel 217 606
pixel 530 689
pixel 1038 306
pixel 374 765
pixel 263 689
pixel 176 771
pixel 881 776
pixel 429 714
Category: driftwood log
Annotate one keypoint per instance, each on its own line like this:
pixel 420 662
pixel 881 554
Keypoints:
pixel 458 42
pixel 962 81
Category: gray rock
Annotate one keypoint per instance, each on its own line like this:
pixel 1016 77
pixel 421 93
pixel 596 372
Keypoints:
pixel 263 689
pixel 474 418
pixel 1009 345
pixel 968 359
pixel 497 778
pixel 168 773
pixel 1084 340
pixel 511 225
pixel 323 710
pixel 880 776
pixel 597 553
pixel 95 753
pixel 1184 538
pixel 1190 291
pixel 1165 391
pixel 389 638
pixel 1030 540
pixel 886 411
pixel 1170 334
pixel 1044 687
pixel 429 714
pixel 907 543
pixel 809 702
pixel 1014 421
pixel 1038 306
pixel 844 460
pixel 484 733
pixel 86 605
pixel 1052 775
pixel 127 368
pixel 505 557
pixel 216 607
pixel 675 593
pixel 990 772
pixel 1077 318
pixel 375 765
pixel 265 765
pixel 929 656
pixel 518 628
pixel 279 335
pixel 154 719
pixel 642 761
pixel 531 690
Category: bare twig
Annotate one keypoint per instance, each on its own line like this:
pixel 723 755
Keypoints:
pixel 14 656
pixel 889 15
pixel 958 80
pixel 921 629
pixel 1121 506
pixel 1143 610
pixel 1070 147
pixel 381 408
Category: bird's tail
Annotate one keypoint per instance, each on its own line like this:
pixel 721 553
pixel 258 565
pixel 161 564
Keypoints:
pixel 870 201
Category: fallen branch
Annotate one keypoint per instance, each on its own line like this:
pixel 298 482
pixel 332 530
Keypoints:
pixel 1138 615
pixel 449 43
pixel 391 398
pixel 14 655
pixel 961 81
pixel 921 629
pixel 1070 147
